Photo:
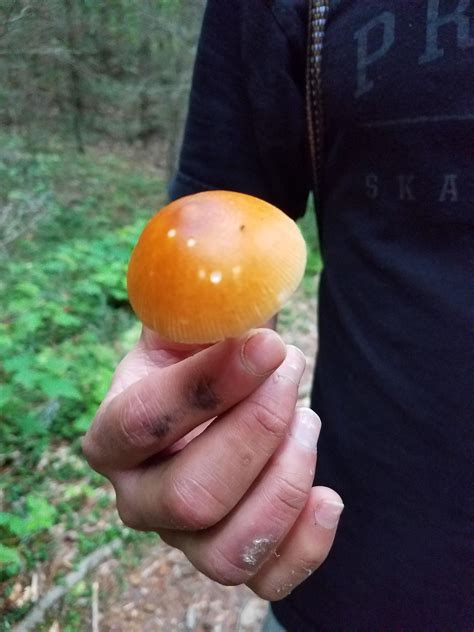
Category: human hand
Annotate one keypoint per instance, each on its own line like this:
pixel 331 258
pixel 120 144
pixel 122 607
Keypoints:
pixel 205 446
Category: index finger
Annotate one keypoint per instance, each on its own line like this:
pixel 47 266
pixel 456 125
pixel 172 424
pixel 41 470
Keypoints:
pixel 157 410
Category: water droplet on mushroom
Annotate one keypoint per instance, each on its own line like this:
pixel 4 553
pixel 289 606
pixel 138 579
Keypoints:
pixel 191 242
pixel 172 232
pixel 216 276
pixel 202 273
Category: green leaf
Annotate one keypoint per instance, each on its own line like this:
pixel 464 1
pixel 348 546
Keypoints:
pixel 64 319
pixel 53 386
pixel 102 379
pixel 29 378
pixel 28 288
pixel 19 362
pixel 29 322
pixel 82 423
pixel 13 524
pixel 76 490
pixel 41 514
pixel 10 560
pixel 52 362
pixel 6 343
pixel 119 294
pixel 89 288
pixel 6 393
pixel 30 424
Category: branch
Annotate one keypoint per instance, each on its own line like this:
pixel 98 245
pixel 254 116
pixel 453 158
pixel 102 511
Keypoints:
pixel 16 219
pixel 19 16
pixel 14 19
pixel 57 51
pixel 37 615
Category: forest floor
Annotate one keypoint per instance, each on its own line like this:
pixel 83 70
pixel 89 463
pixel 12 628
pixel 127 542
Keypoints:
pixel 146 586
pixel 66 324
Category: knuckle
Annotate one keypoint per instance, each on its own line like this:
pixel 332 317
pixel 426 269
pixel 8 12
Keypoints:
pixel 276 586
pixel 290 495
pixel 311 562
pixel 127 515
pixel 191 505
pixel 268 593
pixel 141 422
pixel 222 568
pixel 265 413
pixel 271 592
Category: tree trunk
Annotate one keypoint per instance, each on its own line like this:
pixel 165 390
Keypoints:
pixel 75 84
pixel 145 69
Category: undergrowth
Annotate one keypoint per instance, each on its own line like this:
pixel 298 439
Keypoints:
pixel 67 228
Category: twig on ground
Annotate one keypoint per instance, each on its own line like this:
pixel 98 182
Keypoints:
pixel 34 588
pixel 95 607
pixel 37 615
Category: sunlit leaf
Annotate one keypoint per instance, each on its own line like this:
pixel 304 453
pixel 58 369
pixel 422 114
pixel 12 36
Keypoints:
pixel 53 386
pixel 19 362
pixel 10 559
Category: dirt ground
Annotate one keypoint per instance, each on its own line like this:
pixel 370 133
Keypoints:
pixel 148 586
pixel 165 593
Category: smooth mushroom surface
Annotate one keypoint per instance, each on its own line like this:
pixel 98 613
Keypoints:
pixel 213 265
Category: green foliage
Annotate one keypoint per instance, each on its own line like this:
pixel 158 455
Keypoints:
pixel 86 70
pixel 38 515
pixel 10 560
pixel 65 294
pixel 314 262
pixel 65 323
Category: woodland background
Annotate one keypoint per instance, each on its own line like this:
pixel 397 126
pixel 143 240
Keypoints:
pixel 93 95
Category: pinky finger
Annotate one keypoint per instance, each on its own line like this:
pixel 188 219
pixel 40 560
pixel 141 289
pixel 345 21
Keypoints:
pixel 304 549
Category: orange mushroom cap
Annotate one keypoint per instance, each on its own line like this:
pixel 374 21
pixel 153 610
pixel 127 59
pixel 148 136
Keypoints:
pixel 213 265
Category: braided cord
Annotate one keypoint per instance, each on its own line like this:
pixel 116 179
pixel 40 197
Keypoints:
pixel 318 12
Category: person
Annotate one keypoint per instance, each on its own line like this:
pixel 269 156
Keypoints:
pixel 394 380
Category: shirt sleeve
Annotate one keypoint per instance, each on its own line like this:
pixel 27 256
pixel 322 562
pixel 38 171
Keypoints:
pixel 246 124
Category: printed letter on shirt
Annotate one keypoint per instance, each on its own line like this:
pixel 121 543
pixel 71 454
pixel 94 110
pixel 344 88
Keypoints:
pixel 386 20
pixel 404 187
pixel 371 185
pixel 449 192
pixel 435 21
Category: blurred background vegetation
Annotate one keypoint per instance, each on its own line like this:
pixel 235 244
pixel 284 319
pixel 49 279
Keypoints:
pixel 92 101
pixel 95 71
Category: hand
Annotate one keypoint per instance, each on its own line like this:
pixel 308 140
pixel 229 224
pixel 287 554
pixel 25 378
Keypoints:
pixel 204 445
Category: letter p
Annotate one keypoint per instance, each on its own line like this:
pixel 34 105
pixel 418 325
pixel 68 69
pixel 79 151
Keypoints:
pixel 365 58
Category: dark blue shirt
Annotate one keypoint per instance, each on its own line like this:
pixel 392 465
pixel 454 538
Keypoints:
pixel 394 383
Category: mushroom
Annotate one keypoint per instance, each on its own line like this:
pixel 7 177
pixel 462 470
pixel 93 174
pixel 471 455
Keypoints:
pixel 213 265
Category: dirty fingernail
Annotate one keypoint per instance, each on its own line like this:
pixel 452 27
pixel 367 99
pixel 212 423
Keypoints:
pixel 262 352
pixel 327 513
